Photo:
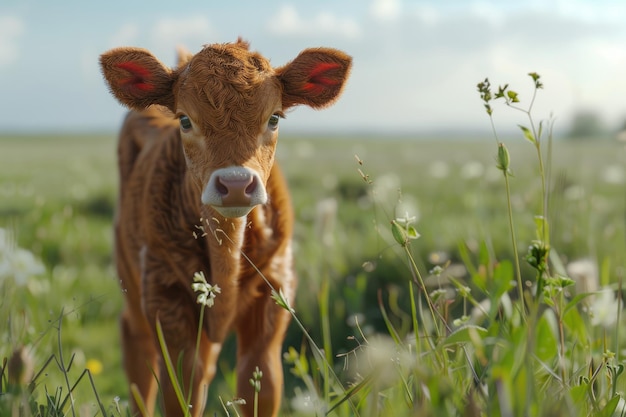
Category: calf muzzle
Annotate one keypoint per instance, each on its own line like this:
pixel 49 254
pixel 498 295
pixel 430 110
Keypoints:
pixel 234 191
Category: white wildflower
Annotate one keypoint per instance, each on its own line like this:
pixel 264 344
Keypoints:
pixel 585 273
pixel 439 170
pixel 305 402
pixel 614 174
pixel 25 265
pixel 405 205
pixel 235 402
pixel 402 231
pixel 472 170
pixel 604 309
pixel 406 220
pixel 206 292
pixel 390 360
pixel 17 263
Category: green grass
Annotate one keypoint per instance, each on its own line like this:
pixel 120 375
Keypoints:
pixel 57 195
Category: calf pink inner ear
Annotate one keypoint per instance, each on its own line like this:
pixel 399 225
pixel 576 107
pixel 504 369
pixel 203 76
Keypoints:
pixel 314 78
pixel 319 79
pixel 139 76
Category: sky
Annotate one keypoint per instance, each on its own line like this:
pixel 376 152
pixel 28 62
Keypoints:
pixel 416 62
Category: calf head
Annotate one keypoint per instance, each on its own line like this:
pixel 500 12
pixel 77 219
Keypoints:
pixel 229 101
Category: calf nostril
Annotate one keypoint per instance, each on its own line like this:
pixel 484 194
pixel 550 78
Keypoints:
pixel 251 187
pixel 221 188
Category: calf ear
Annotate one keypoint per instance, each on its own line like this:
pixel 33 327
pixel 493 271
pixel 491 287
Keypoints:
pixel 315 78
pixel 137 79
pixel 184 56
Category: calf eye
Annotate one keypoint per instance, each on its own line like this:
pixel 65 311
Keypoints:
pixel 185 123
pixel 273 122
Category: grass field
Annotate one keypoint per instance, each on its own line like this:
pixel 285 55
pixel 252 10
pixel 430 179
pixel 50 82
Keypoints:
pixel 57 199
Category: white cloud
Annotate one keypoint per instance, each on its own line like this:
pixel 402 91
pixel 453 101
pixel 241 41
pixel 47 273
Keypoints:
pixel 613 53
pixel 591 12
pixel 487 12
pixel 420 71
pixel 125 36
pixel 173 31
pixel 428 15
pixel 168 33
pixel 386 9
pixel 11 28
pixel 289 22
pixel 164 35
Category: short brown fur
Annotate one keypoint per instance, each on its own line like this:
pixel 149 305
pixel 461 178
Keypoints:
pixel 229 94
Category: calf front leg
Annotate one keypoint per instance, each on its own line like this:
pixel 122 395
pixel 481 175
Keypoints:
pixel 140 356
pixel 198 371
pixel 175 309
pixel 260 336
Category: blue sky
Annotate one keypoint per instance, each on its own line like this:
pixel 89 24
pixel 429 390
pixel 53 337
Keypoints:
pixel 416 63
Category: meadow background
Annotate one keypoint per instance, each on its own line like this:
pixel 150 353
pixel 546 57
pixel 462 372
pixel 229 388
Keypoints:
pixel 430 327
pixel 57 200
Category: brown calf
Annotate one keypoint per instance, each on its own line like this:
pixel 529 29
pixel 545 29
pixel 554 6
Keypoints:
pixel 198 149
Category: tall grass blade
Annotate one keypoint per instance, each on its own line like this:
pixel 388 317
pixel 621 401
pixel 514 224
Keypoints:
pixel 139 400
pixel 169 366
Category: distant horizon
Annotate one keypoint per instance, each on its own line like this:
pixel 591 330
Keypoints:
pixel 474 134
